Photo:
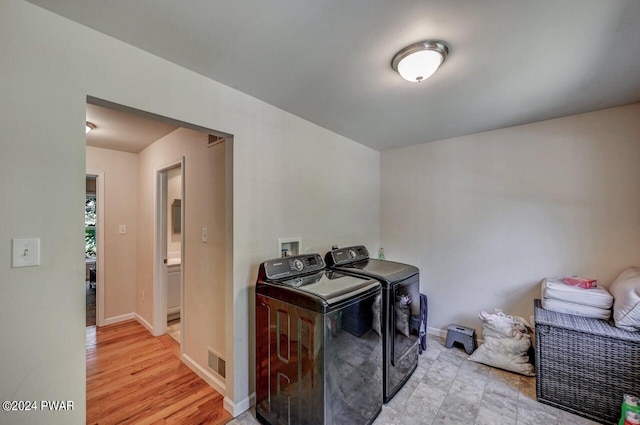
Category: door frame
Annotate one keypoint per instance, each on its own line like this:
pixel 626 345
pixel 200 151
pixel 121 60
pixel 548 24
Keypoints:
pixel 100 265
pixel 160 251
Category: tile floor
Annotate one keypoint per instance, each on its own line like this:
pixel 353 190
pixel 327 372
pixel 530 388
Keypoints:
pixel 173 329
pixel 446 389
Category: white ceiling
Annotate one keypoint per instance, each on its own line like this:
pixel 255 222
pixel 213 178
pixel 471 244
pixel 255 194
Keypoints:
pixel 511 62
pixel 123 131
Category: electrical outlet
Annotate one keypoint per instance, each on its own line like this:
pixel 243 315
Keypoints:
pixel 205 235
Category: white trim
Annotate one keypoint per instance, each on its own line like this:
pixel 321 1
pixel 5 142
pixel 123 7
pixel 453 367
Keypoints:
pixel 120 318
pixel 183 315
pixel 143 322
pixel 231 345
pixel 207 377
pixel 100 265
pixel 159 254
pixel 442 333
pixel 236 409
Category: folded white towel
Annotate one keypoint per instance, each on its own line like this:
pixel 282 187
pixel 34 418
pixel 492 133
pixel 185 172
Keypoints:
pixel 576 309
pixel 556 289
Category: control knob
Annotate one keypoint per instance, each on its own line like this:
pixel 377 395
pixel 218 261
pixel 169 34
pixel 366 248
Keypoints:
pixel 298 265
pixel 352 254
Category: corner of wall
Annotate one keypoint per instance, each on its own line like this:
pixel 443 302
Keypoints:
pixel 236 409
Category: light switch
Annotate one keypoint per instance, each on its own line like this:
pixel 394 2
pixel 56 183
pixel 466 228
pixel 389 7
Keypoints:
pixel 25 252
pixel 123 229
pixel 205 235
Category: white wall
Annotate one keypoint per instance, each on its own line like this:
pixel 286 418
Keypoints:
pixel 290 178
pixel 487 216
pixel 120 173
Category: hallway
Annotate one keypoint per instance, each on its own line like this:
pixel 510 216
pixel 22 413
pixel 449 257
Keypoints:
pixel 135 378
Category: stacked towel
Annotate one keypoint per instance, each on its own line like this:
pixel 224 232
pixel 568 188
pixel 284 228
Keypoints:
pixel 593 302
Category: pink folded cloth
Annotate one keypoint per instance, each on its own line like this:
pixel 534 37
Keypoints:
pixel 581 282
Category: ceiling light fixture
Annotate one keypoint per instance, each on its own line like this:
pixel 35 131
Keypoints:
pixel 419 61
pixel 90 126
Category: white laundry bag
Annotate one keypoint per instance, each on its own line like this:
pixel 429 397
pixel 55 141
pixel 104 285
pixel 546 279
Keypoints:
pixel 506 343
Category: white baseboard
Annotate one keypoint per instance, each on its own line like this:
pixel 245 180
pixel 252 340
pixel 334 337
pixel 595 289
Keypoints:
pixel 442 333
pixel 209 378
pixel 144 323
pixel 117 319
pixel 236 409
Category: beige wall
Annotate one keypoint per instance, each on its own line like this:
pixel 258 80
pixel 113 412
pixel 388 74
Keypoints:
pixel 290 178
pixel 203 263
pixel 487 216
pixel 120 173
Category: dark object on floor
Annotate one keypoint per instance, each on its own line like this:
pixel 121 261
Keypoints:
pixel 585 365
pixel 462 335
pixel 424 310
pixel 92 278
pixel 90 298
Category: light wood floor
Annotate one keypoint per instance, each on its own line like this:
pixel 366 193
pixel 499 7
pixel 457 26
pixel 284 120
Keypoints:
pixel 135 378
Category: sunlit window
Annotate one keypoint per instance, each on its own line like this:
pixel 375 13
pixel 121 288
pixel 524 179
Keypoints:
pixel 90 226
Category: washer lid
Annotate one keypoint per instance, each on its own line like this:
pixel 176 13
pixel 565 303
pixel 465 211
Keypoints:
pixel 388 271
pixel 330 285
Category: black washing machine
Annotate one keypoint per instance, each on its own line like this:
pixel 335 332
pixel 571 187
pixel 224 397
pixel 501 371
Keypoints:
pixel 318 360
pixel 400 307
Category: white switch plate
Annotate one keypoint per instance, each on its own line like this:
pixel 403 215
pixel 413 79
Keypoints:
pixel 25 252
pixel 205 235
pixel 123 229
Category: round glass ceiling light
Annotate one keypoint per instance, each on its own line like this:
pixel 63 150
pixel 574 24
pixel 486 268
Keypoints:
pixel 420 61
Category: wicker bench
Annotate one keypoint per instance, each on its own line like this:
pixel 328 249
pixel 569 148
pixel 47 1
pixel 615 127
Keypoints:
pixel 585 365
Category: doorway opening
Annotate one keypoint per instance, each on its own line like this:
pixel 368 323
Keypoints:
pixel 169 257
pixel 138 152
pixel 174 227
pixel 94 249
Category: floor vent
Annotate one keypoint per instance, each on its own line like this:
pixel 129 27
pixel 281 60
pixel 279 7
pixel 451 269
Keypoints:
pixel 214 140
pixel 217 364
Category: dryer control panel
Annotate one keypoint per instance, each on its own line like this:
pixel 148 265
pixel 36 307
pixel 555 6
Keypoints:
pixel 286 267
pixel 352 254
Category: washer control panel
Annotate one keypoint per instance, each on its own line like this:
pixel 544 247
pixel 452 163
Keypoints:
pixel 347 255
pixel 279 268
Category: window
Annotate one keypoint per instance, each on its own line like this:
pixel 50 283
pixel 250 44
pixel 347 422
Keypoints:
pixel 90 226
